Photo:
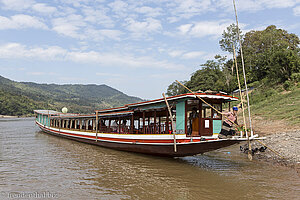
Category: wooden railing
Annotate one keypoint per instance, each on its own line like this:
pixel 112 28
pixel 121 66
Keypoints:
pixel 147 129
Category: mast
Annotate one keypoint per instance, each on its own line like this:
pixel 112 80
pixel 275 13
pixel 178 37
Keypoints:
pixel 243 65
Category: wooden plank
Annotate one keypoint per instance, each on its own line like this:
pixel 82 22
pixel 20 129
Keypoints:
pixel 172 121
pixel 97 122
pixel 132 123
pixel 199 116
pixel 167 123
pixel 159 124
pixel 154 131
pixel 144 122
pixel 186 118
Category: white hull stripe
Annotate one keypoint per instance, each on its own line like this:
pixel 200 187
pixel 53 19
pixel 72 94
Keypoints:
pixel 92 136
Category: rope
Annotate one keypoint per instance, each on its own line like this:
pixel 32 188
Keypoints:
pixel 271 149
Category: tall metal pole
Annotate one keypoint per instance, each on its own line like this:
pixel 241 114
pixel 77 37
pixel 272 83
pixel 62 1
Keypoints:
pixel 243 65
pixel 239 83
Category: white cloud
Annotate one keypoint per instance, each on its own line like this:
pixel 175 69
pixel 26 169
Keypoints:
pixel 140 28
pixel 254 5
pixel 69 26
pixel 98 16
pixel 44 8
pixel 120 8
pixel 185 28
pixel 20 22
pixel 37 73
pixel 204 28
pixel 188 8
pixel 296 11
pixel 109 74
pixel 279 3
pixel 16 50
pixel 103 34
pixel 175 53
pixel 66 11
pixel 78 27
pixel 17 4
pixel 149 11
pixel 121 60
pixel 193 54
pixel 188 55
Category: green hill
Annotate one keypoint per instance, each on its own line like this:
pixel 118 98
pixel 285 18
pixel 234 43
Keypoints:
pixel 20 98
pixel 276 103
pixel 271 60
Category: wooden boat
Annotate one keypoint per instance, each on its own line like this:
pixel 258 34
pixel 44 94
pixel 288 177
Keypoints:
pixel 145 127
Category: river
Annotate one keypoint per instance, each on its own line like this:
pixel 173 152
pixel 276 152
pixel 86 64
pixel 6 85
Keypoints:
pixel 36 165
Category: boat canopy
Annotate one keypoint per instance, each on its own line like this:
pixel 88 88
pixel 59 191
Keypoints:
pixel 46 112
pixel 160 103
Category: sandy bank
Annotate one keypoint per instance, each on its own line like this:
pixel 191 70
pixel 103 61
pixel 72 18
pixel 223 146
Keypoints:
pixel 282 137
pixel 287 144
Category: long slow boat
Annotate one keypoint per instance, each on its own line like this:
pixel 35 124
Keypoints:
pixel 145 127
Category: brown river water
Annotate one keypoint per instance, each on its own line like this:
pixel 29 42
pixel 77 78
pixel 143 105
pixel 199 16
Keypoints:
pixel 34 165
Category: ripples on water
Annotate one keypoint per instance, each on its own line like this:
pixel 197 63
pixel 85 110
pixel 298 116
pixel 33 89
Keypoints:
pixel 32 161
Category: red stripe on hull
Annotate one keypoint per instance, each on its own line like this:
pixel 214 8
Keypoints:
pixel 123 139
pixel 183 149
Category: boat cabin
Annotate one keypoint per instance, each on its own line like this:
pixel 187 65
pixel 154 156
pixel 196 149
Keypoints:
pixel 191 117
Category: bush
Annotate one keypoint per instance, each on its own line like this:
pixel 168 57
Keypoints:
pixel 269 92
pixel 287 85
pixel 295 77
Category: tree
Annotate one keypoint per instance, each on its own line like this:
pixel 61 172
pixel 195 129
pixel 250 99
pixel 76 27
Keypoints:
pixel 284 63
pixel 271 53
pixel 230 39
pixel 176 89
pixel 211 76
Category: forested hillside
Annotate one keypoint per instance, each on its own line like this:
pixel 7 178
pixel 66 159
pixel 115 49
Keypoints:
pixel 272 57
pixel 272 65
pixel 20 98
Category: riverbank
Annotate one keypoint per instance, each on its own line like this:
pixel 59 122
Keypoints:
pixel 286 144
pixel 282 137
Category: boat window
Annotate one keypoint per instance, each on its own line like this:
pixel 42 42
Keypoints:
pixel 206 111
pixel 216 115
pixel 150 121
pixel 192 110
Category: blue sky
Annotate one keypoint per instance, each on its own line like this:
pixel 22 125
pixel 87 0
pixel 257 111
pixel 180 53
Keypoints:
pixel 137 47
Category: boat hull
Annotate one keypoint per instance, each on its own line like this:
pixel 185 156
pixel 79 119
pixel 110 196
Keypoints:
pixel 166 150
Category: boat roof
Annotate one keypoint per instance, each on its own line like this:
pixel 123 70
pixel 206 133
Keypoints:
pixel 119 113
pixel 47 112
pixel 56 114
pixel 128 109
pixel 205 95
